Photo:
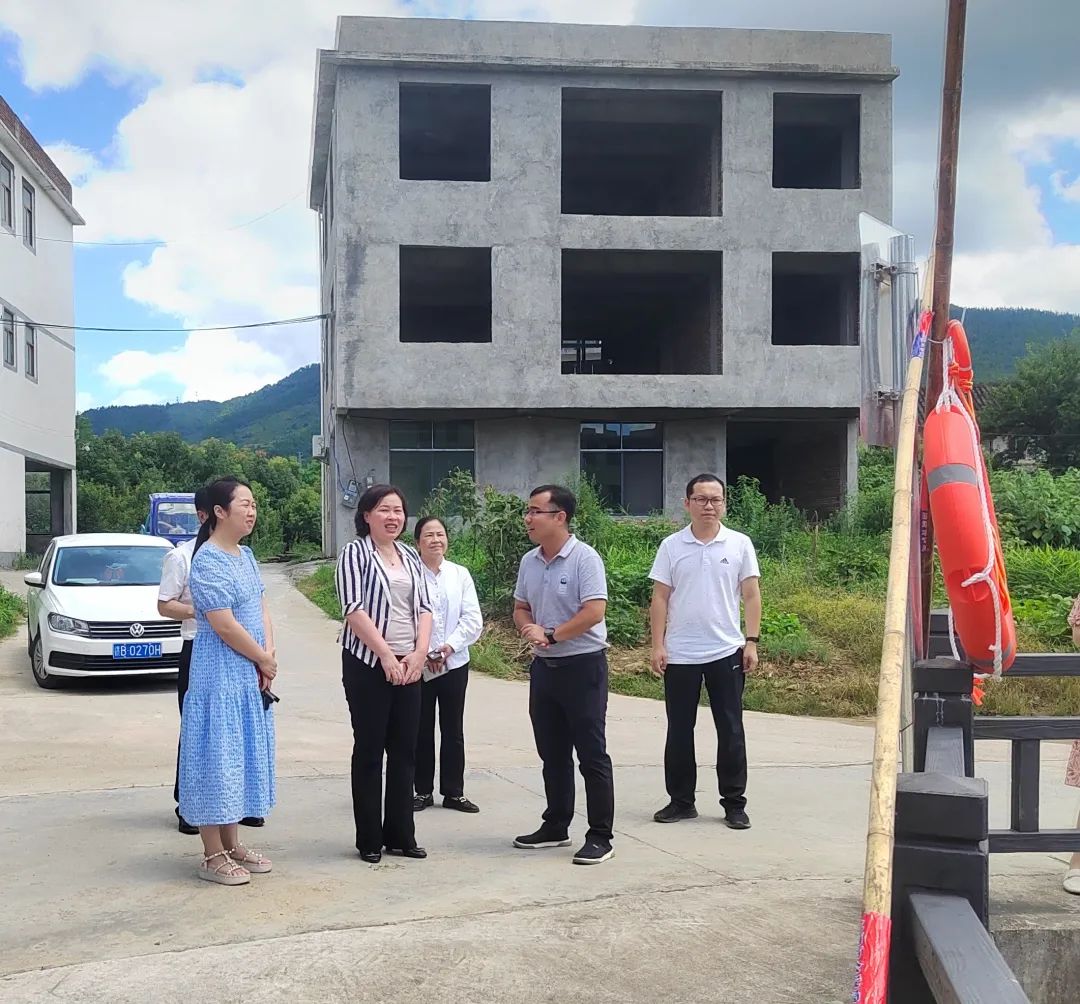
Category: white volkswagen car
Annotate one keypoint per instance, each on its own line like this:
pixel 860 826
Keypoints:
pixel 91 609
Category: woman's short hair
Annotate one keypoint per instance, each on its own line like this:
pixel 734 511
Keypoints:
pixel 423 521
pixel 370 500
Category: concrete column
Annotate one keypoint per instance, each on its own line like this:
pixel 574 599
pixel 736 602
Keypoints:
pixel 852 460
pixel 517 454
pixel 360 447
pixel 691 446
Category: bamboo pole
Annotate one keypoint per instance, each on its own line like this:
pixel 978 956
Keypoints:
pixel 872 977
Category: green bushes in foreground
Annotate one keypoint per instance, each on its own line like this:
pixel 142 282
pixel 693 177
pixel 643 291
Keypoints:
pixel 11 612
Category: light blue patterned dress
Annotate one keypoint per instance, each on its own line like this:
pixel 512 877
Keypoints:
pixel 226 736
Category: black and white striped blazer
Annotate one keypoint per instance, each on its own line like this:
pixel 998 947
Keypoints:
pixel 362 584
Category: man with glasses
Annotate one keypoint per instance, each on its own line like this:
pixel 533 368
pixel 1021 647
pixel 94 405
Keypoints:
pixel 559 606
pixel 699 576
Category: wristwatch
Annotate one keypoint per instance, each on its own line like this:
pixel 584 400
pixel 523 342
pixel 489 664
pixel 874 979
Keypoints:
pixel 753 637
pixel 549 634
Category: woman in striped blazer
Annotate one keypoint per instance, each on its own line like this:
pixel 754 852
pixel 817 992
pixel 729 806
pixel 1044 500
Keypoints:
pixel 384 599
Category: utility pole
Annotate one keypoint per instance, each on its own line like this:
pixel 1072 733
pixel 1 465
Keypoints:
pixel 948 156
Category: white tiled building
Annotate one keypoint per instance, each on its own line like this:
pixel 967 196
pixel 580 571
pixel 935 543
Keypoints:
pixel 37 366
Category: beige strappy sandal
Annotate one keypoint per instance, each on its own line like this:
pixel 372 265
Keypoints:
pixel 1071 882
pixel 253 861
pixel 228 872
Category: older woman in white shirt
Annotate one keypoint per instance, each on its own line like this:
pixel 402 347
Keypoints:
pixel 458 624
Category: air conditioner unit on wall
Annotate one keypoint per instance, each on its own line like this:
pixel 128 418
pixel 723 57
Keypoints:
pixel 318 449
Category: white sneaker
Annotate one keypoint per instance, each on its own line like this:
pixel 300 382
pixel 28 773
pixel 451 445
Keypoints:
pixel 1071 882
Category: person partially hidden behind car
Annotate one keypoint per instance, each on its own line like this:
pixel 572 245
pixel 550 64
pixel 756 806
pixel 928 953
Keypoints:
pixel 174 602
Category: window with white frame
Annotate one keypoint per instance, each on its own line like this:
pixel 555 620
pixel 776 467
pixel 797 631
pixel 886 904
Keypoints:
pixel 8 325
pixel 625 460
pixel 7 193
pixel 29 214
pixel 31 362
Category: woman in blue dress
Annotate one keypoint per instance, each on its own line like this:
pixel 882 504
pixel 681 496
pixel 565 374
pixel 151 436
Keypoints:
pixel 227 727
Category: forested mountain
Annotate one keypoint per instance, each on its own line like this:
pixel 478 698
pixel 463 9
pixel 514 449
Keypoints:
pixel 1000 336
pixel 280 418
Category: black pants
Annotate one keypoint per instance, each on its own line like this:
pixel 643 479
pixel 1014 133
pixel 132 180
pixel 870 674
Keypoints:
pixel 724 680
pixel 568 707
pixel 181 689
pixel 385 719
pixel 448 690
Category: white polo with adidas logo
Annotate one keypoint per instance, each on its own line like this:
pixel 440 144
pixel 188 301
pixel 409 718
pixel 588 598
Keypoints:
pixel 705 578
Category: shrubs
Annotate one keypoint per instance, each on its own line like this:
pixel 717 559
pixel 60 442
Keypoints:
pixel 11 611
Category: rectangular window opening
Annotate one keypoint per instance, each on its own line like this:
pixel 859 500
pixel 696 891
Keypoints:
pixel 640 152
pixel 445 294
pixel 625 460
pixel 29 234
pixel 423 453
pixel 631 312
pixel 7 193
pixel 816 141
pixel 815 298
pixel 30 364
pixel 444 132
pixel 10 354
pixel 803 461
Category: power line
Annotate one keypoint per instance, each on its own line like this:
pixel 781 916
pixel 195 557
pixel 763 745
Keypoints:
pixel 157 243
pixel 217 327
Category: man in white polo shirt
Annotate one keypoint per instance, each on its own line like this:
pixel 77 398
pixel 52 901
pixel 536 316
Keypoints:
pixel 699 576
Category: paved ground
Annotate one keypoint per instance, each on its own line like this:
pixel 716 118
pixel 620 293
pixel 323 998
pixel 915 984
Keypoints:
pixel 101 903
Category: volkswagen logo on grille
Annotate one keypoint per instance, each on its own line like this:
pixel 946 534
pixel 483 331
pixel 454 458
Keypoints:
pixel 136 630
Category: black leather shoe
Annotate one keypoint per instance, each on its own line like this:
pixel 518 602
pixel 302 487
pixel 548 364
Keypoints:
pixel 407 852
pixel 253 821
pixel 184 826
pixel 371 857
pixel 421 802
pixel 673 812
pixel 737 819
pixel 459 802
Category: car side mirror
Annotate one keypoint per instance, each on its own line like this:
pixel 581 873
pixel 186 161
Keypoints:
pixel 34 579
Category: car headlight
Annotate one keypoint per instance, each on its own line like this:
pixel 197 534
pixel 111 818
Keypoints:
pixel 68 625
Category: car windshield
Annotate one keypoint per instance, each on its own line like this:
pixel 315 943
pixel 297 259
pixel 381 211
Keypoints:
pixel 115 565
pixel 176 517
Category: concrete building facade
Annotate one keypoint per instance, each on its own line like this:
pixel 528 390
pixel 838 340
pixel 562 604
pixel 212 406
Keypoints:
pixel 37 367
pixel 631 251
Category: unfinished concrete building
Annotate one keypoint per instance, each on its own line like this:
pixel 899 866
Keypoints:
pixel 631 251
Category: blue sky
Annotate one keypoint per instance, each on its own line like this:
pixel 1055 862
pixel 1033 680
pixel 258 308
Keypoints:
pixel 175 133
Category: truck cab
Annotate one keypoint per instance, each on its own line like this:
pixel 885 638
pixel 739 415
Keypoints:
pixel 172 516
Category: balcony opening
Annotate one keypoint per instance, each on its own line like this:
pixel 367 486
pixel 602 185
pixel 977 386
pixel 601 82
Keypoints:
pixel 444 132
pixel 816 141
pixel 445 294
pixel 815 298
pixel 640 153
pixel 630 312
pixel 804 461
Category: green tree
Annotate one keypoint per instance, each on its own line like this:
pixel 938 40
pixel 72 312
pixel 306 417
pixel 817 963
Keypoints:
pixel 1038 410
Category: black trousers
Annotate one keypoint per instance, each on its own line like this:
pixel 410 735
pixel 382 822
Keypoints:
pixel 448 690
pixel 724 680
pixel 385 720
pixel 182 678
pixel 568 707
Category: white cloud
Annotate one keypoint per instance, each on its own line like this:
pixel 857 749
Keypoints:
pixel 84 401
pixel 1043 277
pixel 75 163
pixel 138 395
pixel 210 365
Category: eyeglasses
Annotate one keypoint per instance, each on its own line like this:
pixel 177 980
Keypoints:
pixel 531 511
pixel 706 500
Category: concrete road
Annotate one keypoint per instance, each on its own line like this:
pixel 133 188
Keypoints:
pixel 100 900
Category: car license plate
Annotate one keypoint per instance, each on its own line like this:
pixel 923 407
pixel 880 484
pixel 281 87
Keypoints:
pixel 137 650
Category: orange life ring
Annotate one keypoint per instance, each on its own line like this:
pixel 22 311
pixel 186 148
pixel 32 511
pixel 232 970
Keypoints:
pixel 955 471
